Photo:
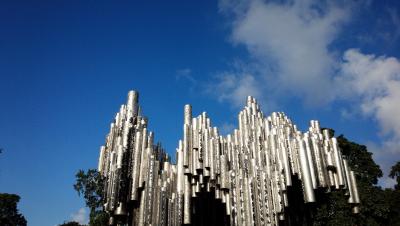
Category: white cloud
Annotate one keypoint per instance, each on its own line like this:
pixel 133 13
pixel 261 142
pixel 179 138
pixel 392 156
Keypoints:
pixel 294 39
pixel 374 83
pixel 290 44
pixel 388 182
pixel 235 88
pixel 81 216
pixel 386 158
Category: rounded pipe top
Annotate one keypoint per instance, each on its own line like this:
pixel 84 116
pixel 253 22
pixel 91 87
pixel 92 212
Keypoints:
pixel 188 114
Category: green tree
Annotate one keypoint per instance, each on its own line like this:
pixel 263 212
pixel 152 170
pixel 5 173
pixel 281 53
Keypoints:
pixel 9 214
pixel 90 184
pixel 71 223
pixel 333 209
pixel 374 209
pixel 395 174
pixel 393 196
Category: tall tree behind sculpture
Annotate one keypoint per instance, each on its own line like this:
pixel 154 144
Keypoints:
pixel 333 207
pixel 90 184
pixel 395 174
pixel 393 197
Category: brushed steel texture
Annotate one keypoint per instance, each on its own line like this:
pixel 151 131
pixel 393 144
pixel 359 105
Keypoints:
pixel 249 172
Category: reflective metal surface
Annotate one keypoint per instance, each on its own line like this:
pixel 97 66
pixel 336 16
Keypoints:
pixel 245 176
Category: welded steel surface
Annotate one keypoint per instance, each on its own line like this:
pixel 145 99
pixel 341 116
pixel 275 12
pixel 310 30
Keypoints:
pixel 243 178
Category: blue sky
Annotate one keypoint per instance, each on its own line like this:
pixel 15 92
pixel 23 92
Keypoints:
pixel 66 67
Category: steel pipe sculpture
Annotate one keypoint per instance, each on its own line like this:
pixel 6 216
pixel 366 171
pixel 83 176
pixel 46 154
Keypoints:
pixel 248 172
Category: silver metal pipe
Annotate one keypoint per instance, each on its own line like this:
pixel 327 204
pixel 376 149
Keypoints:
pixel 248 171
pixel 338 162
pixel 305 172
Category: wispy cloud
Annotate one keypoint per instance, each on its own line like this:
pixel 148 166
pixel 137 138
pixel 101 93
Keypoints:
pixel 185 74
pixel 81 216
pixel 395 19
pixel 291 44
pixel 227 128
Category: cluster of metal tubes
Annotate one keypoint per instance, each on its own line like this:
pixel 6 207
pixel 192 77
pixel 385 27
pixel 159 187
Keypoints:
pixel 248 171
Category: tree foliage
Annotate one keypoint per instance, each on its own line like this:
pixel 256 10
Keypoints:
pixel 393 196
pixel 377 206
pixel 373 208
pixel 360 161
pixel 70 223
pixel 90 184
pixel 395 174
pixel 9 214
